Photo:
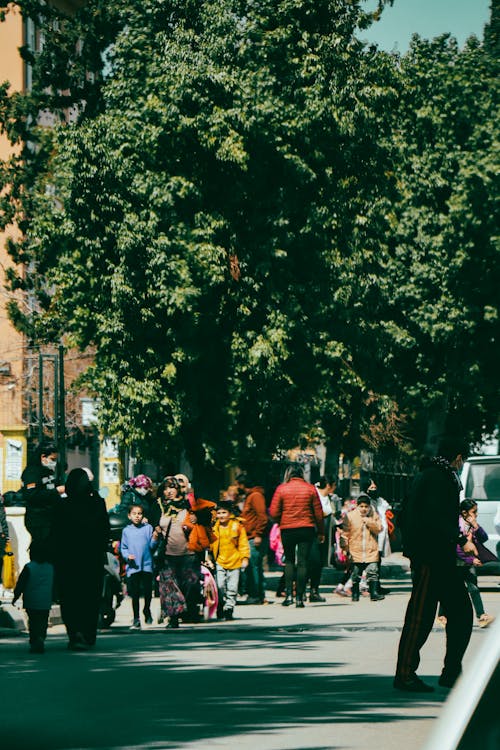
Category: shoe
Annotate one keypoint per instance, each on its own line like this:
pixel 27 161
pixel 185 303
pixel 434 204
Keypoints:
pixel 173 622
pixel 412 684
pixel 78 643
pixel 254 600
pixel 485 620
pixel 136 625
pixel 147 618
pixel 315 596
pixel 382 590
pixel 374 595
pixel 228 614
pixel 441 621
pixel 447 679
pixel 299 602
pixel 161 619
pixel 287 602
pixel 355 592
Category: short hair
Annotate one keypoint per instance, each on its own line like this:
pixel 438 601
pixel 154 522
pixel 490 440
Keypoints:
pixel 467 505
pixel 450 447
pixel 135 505
pixel 326 479
pixel 363 499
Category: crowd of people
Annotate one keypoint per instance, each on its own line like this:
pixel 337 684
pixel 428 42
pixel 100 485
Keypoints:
pixel 202 556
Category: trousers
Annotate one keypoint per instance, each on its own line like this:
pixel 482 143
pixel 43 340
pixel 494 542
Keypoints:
pixel 433 583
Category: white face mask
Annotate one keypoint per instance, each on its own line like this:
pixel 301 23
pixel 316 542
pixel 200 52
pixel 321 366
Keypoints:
pixel 50 464
pixel 142 491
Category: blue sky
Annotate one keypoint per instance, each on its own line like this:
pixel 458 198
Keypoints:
pixel 428 18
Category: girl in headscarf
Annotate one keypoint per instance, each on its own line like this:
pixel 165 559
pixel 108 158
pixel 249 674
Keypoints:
pixel 179 566
pixel 81 538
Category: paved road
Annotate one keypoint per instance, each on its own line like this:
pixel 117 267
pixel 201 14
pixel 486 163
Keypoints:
pixel 274 679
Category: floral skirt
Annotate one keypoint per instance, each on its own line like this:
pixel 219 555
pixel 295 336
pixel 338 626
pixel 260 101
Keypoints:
pixel 180 585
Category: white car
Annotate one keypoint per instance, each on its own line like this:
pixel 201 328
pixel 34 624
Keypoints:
pixel 481 482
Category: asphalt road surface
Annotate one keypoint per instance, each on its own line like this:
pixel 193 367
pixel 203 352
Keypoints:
pixel 273 679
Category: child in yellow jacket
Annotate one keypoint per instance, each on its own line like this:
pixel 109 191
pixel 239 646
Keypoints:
pixel 231 553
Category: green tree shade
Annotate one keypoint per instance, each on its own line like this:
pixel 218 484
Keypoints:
pixel 227 129
pixel 442 325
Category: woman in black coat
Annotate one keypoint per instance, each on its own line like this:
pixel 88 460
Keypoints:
pixel 81 538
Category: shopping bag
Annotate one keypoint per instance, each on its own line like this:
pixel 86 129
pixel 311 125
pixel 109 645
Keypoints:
pixel 8 571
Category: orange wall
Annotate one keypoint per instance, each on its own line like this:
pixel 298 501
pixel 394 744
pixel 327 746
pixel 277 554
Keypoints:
pixel 11 342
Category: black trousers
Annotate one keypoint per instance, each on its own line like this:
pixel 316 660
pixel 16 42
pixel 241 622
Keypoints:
pixel 137 583
pixel 80 594
pixel 433 583
pixel 38 620
pixel 297 546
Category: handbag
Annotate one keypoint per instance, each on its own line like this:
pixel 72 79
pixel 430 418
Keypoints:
pixel 484 554
pixel 159 551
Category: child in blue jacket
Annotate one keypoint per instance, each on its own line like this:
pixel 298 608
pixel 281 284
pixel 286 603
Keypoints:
pixel 138 541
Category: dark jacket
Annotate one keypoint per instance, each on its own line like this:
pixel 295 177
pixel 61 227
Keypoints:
pixel 42 500
pixel 296 505
pixel 430 517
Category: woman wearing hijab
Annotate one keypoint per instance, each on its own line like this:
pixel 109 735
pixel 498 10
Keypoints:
pixel 81 535
pixel 178 563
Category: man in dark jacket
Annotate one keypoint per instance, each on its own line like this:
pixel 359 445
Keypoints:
pixel 255 518
pixel 40 494
pixel 430 537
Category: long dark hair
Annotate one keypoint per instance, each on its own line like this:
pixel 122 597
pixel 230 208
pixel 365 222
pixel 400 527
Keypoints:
pixel 78 486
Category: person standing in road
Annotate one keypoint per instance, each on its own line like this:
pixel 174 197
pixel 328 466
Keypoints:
pixel 430 536
pixel 254 516
pixel 360 532
pixel 297 509
pixel 40 494
pixel 81 534
pixel 318 556
pixel 137 544
pixel 380 506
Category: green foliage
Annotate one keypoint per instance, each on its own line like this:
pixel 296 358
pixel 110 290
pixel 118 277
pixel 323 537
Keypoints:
pixel 354 188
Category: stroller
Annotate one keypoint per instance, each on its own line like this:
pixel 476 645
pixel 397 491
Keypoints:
pixel 112 589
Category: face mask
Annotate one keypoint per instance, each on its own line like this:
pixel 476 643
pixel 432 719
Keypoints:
pixel 142 491
pixel 50 464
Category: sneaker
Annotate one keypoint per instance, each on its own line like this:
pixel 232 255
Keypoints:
pixel 161 619
pixel 228 614
pixel 448 679
pixel 315 596
pixel 254 600
pixel 412 684
pixel 147 618
pixel 485 620
pixel 441 621
pixel 78 643
pixel 173 622
pixel 136 625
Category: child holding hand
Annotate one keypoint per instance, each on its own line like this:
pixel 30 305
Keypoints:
pixel 138 541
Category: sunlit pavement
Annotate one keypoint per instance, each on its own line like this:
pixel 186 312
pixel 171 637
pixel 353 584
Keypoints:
pixel 274 678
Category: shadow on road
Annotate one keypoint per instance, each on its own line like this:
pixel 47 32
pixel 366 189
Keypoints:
pixel 162 689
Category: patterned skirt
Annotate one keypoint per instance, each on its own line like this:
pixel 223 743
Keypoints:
pixel 180 585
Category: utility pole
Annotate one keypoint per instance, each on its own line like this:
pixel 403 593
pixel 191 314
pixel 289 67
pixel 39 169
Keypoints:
pixel 62 411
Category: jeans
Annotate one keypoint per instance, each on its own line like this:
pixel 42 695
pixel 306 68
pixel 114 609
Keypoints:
pixel 255 571
pixel 371 571
pixel 227 584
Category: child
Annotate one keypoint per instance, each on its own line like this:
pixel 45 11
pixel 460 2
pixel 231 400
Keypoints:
pixel 36 584
pixel 360 531
pixel 138 539
pixel 231 553
pixel 468 561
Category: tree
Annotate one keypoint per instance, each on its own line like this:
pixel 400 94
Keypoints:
pixel 227 130
pixel 439 333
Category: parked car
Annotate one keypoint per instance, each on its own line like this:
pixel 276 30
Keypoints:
pixel 481 482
